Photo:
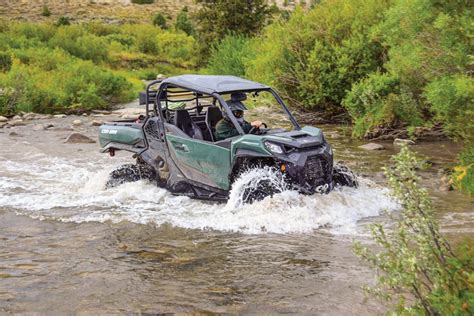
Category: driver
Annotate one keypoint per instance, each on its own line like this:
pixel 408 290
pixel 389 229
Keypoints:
pixel 225 128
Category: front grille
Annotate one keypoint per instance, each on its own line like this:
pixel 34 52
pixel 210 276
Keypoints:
pixel 316 168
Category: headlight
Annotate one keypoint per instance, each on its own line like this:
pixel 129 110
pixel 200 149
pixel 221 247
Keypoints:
pixel 274 148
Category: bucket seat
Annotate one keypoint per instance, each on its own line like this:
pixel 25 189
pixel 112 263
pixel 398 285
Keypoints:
pixel 213 115
pixel 183 121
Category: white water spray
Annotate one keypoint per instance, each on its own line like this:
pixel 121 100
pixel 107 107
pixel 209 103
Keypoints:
pixel 74 191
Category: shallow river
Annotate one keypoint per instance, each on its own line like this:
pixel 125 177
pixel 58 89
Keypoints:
pixel 67 245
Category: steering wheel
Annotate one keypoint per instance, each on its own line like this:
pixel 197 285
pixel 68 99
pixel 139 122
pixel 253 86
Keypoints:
pixel 259 131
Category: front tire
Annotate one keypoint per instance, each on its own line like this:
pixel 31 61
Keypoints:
pixel 343 176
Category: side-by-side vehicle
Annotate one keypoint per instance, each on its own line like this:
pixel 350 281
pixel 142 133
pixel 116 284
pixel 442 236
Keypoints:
pixel 175 142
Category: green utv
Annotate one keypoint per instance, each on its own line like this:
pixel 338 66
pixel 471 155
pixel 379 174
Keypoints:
pixel 175 144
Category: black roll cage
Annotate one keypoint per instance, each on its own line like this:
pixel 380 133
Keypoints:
pixel 161 95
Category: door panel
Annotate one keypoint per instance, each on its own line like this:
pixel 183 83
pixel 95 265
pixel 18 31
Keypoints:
pixel 201 161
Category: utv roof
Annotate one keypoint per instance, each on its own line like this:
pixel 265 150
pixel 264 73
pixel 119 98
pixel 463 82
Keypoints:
pixel 214 84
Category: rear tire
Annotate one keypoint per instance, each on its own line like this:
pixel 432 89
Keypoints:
pixel 129 173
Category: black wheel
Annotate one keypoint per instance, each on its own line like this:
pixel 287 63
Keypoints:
pixel 343 176
pixel 129 173
pixel 265 182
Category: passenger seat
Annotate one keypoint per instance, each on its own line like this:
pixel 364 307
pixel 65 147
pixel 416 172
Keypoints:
pixel 183 121
pixel 213 115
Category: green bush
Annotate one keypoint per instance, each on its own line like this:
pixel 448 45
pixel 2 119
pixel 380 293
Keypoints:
pixel 63 21
pixel 314 57
pixel 5 61
pixel 45 11
pixel 419 272
pixel 463 176
pixel 228 57
pixel 216 19
pixel 451 99
pixel 183 23
pixel 176 48
pixel 380 100
pixel 79 43
pixel 159 20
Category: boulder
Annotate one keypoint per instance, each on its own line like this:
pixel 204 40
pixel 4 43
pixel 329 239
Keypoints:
pixel 372 146
pixel 445 184
pixel 400 142
pixel 60 116
pixel 29 116
pixel 39 127
pixel 76 122
pixel 16 117
pixel 3 119
pixel 96 123
pixel 49 126
pixel 77 138
pixel 16 122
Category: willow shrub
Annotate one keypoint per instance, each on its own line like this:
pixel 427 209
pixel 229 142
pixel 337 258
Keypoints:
pixel 418 269
pixel 314 57
pixel 381 100
pixel 76 84
pixel 228 56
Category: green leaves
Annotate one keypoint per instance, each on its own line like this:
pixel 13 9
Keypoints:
pixel 415 262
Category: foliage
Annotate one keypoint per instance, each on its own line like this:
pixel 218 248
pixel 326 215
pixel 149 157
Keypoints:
pixel 314 57
pixel 5 61
pixel 218 18
pixel 451 99
pixel 45 11
pixel 159 20
pixel 324 58
pixel 50 68
pixel 415 262
pixel 63 20
pixel 380 100
pixel 463 176
pixel 183 23
pixel 228 57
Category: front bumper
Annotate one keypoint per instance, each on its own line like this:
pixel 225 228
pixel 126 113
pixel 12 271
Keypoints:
pixel 310 170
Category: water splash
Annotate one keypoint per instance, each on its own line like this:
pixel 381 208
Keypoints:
pixel 74 191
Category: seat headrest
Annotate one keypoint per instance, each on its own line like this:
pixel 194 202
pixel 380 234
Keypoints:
pixel 238 96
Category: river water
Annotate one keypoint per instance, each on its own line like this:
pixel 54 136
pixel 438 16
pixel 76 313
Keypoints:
pixel 70 246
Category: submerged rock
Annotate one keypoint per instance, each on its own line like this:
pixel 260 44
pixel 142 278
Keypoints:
pixel 372 146
pixel 15 134
pixel 39 127
pixel 401 141
pixel 77 138
pixel 77 122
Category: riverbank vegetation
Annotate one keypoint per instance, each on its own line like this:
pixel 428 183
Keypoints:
pixel 420 273
pixel 50 68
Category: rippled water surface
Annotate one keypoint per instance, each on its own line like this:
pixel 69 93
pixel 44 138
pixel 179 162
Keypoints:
pixel 69 245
